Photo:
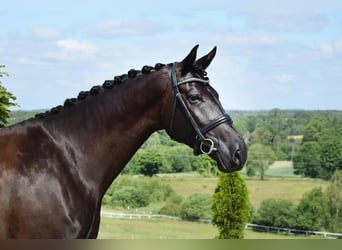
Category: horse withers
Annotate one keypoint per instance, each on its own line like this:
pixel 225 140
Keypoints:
pixel 56 167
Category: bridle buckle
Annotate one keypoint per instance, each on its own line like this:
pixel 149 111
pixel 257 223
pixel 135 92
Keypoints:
pixel 211 146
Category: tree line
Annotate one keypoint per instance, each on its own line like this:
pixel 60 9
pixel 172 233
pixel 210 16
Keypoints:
pixel 311 139
pixel 320 153
pixel 317 210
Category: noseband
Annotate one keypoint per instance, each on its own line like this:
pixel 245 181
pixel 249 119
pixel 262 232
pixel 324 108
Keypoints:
pixel 206 145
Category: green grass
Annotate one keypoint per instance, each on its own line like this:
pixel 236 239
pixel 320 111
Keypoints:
pixel 278 169
pixel 154 229
pixel 282 169
pixel 290 188
pixel 167 229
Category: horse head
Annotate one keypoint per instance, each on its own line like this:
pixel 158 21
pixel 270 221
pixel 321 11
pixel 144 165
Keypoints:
pixel 197 117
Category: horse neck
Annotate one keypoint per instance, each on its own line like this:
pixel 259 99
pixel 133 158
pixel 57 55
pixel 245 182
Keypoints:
pixel 102 133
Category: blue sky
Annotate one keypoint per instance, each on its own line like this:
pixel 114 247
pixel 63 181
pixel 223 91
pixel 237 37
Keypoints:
pixel 271 54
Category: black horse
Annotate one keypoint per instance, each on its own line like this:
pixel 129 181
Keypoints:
pixel 56 167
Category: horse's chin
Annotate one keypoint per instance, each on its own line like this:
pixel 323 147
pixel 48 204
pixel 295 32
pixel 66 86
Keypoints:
pixel 226 165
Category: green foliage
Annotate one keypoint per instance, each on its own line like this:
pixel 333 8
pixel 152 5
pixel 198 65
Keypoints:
pixel 196 207
pixel 334 195
pixel 260 157
pixel 134 192
pixel 312 212
pixel 331 152
pixel 150 161
pixel 230 206
pixel 320 153
pixel 171 209
pixel 277 213
pixel 271 132
pixel 21 115
pixel 315 211
pixel 206 166
pixel 6 101
pixel 165 157
pixel 130 197
pixel 307 160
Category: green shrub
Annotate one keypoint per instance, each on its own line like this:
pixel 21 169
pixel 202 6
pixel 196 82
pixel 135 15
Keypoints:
pixel 134 192
pixel 313 211
pixel 175 198
pixel 171 209
pixel 130 197
pixel 196 207
pixel 276 212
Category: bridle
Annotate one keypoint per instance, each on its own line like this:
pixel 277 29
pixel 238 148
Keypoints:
pixel 206 145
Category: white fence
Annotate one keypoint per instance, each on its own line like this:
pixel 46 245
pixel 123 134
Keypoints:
pixel 137 216
pixel 248 226
pixel 291 231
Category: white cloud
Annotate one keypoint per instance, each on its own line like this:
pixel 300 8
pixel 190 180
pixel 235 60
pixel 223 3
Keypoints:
pixel 120 27
pixel 331 49
pixel 288 21
pixel 248 40
pixel 72 50
pixel 45 33
pixel 76 46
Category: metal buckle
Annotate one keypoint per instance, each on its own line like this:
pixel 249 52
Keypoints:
pixel 211 147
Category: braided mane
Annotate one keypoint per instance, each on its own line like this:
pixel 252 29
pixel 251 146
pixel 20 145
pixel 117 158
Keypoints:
pixel 107 85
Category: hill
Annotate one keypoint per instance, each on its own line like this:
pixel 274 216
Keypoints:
pixel 21 115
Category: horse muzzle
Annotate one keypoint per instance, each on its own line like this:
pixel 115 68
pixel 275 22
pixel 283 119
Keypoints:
pixel 229 158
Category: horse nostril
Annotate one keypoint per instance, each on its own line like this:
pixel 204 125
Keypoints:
pixel 237 157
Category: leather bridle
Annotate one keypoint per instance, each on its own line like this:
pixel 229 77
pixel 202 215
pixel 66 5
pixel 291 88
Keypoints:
pixel 202 145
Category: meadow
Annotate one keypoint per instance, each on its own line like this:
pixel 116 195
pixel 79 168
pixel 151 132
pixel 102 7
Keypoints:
pixel 169 229
pixel 279 184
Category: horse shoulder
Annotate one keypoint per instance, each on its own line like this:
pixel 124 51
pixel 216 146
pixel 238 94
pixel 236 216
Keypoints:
pixel 36 175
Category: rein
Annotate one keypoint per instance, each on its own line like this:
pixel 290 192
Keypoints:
pixel 206 145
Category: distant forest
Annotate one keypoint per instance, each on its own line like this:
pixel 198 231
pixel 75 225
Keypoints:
pixel 311 139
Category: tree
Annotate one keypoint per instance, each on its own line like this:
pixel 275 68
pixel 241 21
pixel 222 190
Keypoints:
pixel 334 194
pixel 312 131
pixel 150 161
pixel 306 161
pixel 6 100
pixel 320 153
pixel 331 151
pixel 230 206
pixel 277 213
pixel 260 157
pixel 313 211
pixel 206 166
pixel 196 207
pixel 180 158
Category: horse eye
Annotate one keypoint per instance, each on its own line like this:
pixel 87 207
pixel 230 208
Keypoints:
pixel 193 99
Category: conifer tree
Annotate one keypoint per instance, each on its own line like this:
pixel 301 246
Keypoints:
pixel 230 206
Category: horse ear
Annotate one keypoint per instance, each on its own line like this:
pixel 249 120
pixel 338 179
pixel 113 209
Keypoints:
pixel 204 61
pixel 187 63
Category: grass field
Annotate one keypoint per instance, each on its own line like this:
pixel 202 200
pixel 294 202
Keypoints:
pixel 274 186
pixel 279 184
pixel 166 229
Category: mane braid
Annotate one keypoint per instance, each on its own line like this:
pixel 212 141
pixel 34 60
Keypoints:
pixel 107 85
